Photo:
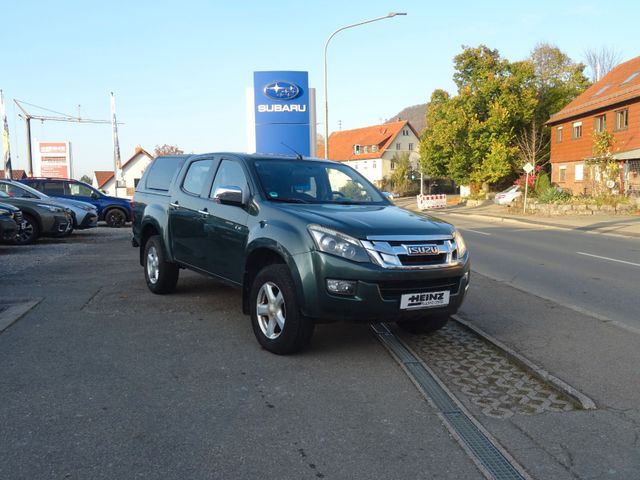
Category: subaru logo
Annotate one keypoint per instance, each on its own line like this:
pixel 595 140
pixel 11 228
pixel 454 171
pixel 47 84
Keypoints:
pixel 282 90
pixel 422 250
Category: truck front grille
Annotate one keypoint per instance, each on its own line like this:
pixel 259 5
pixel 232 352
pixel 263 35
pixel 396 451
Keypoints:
pixel 416 252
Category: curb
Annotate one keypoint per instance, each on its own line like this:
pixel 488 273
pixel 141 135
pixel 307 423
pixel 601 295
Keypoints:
pixel 580 398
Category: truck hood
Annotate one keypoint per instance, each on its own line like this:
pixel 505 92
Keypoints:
pixel 362 221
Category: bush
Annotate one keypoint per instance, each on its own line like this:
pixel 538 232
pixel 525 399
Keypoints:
pixel 554 195
pixel 542 185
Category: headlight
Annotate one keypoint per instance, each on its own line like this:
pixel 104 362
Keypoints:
pixel 4 211
pixel 338 244
pixel 51 208
pixel 462 247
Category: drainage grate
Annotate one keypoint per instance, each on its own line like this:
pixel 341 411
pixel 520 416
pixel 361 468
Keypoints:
pixel 495 463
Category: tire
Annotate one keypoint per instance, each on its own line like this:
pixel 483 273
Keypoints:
pixel 30 233
pixel 161 276
pixel 424 325
pixel 115 218
pixel 275 315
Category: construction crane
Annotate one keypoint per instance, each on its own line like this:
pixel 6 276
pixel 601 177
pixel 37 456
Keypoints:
pixel 61 118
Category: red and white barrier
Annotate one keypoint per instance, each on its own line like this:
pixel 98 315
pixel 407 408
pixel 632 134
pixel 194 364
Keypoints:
pixel 428 202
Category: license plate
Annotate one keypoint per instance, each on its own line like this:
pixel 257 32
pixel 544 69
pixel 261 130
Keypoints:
pixel 410 301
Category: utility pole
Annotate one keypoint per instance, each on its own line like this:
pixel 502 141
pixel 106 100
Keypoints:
pixel 62 118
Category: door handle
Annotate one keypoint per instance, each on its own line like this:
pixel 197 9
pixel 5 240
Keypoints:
pixel 175 204
pixel 204 212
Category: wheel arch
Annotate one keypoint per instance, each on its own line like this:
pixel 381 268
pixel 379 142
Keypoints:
pixel 260 257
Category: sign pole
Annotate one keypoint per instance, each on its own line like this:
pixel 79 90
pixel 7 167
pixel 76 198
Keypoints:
pixel 528 168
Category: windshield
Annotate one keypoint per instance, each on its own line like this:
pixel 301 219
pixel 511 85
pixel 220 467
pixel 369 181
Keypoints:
pixel 301 181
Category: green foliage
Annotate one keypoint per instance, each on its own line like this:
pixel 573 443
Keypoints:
pixel 86 179
pixel 543 184
pixel 554 195
pixel 400 180
pixel 473 136
pixel 351 190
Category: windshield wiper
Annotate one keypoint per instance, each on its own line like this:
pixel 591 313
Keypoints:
pixel 288 200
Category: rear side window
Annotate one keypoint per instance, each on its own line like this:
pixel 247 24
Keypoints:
pixel 53 188
pixel 162 171
pixel 196 176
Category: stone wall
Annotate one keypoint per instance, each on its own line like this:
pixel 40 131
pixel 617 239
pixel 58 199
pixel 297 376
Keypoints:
pixel 578 209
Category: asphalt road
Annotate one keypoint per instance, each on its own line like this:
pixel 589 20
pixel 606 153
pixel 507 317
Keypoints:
pixel 594 273
pixel 104 380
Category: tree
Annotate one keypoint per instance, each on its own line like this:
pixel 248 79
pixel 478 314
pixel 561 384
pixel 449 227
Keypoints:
pixel 165 149
pixel 86 179
pixel 601 61
pixel 471 137
pixel 604 169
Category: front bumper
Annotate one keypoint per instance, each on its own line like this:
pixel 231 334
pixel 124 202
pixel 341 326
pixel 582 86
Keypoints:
pixel 8 228
pixel 90 220
pixel 378 290
pixel 62 224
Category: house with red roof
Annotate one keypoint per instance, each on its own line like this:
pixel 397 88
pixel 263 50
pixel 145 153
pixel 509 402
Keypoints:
pixel 611 104
pixel 132 171
pixel 371 150
pixel 16 174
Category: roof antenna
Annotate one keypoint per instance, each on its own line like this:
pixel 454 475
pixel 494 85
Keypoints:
pixel 298 155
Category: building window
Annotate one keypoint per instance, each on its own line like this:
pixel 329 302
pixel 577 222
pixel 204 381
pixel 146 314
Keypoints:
pixel 374 148
pixel 411 146
pixel 393 165
pixel 366 149
pixel 622 119
pixel 356 149
pixel 562 174
pixel 558 134
pixel 398 146
pixel 405 133
pixel 577 130
pixel 579 172
pixel 600 123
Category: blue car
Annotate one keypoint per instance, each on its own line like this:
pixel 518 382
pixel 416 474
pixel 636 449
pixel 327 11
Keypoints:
pixel 113 210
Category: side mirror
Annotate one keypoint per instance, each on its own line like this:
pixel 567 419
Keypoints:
pixel 94 195
pixel 230 195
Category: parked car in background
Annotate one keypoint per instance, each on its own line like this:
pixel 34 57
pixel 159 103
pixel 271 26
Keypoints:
pixel 85 215
pixel 113 210
pixel 41 217
pixel 10 222
pixel 507 196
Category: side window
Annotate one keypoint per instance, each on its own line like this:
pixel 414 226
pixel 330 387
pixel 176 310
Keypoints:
pixel 162 171
pixel 196 176
pixel 53 188
pixel 229 174
pixel 79 190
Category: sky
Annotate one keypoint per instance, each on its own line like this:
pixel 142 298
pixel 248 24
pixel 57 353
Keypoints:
pixel 179 70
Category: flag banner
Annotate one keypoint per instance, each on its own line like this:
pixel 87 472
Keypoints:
pixel 6 153
pixel 116 145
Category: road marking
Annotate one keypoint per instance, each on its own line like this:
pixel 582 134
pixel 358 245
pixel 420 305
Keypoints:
pixel 475 231
pixel 610 259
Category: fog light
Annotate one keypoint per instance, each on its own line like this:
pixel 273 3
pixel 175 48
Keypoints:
pixel 466 280
pixel 341 287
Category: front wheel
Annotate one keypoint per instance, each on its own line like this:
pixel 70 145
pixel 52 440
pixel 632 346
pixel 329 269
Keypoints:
pixel 29 233
pixel 115 218
pixel 275 316
pixel 425 325
pixel 161 276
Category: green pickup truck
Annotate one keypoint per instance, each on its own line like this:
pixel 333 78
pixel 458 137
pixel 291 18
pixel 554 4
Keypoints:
pixel 306 240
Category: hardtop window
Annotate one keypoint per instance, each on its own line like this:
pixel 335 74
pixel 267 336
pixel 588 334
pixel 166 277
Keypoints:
pixel 162 171
pixel 299 181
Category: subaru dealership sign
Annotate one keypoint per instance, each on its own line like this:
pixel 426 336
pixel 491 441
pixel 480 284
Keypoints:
pixel 282 116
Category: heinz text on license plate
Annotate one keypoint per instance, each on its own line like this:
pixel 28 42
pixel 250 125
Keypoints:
pixel 410 301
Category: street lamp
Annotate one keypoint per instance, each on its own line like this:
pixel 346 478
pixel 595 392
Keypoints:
pixel 326 100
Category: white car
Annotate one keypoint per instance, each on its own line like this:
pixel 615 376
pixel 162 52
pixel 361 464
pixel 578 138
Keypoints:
pixel 507 196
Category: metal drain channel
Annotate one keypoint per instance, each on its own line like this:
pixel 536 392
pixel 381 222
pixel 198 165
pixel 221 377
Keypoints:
pixel 492 460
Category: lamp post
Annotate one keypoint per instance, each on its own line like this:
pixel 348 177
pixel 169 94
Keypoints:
pixel 326 100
